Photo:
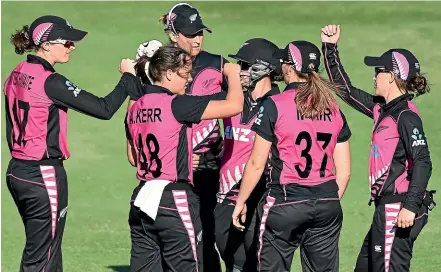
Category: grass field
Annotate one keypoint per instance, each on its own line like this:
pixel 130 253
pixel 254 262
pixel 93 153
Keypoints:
pixel 100 179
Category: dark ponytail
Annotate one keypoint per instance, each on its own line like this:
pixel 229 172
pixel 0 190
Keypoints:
pixel 314 97
pixel 140 69
pixel 163 19
pixel 22 42
pixel 418 85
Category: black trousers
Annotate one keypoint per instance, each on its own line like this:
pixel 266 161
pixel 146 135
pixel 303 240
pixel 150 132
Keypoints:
pixel 313 225
pixel 172 242
pixel 206 186
pixel 40 194
pixel 237 249
pixel 387 248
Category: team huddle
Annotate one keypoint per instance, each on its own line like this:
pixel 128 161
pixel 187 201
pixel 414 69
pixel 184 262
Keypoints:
pixel 268 184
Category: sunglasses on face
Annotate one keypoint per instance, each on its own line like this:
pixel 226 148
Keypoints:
pixel 67 44
pixel 379 70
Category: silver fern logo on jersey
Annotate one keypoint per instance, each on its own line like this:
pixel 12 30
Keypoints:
pixel 72 87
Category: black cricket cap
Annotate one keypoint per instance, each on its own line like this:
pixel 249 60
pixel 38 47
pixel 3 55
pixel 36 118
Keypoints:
pixel 258 49
pixel 401 62
pixel 300 54
pixel 50 28
pixel 185 19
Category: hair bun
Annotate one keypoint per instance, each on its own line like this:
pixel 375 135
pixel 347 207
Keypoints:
pixel 418 85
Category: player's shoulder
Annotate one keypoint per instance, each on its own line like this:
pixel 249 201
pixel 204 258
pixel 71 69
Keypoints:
pixel 283 96
pixel 209 59
pixel 409 116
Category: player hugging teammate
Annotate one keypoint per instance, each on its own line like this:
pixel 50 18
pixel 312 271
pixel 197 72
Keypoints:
pixel 284 156
pixel 272 185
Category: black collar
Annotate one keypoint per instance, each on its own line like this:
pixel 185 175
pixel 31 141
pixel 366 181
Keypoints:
pixel 292 85
pixel 157 89
pixel 398 100
pixel 274 90
pixel 39 60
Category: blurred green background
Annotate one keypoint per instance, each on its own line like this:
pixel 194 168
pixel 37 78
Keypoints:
pixel 101 180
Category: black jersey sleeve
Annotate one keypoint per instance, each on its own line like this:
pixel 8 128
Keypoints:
pixel 345 132
pixel 354 97
pixel 65 93
pixel 410 128
pixel 224 84
pixel 266 120
pixel 189 108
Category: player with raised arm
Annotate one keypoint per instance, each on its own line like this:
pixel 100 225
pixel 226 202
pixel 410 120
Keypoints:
pixel 399 161
pixel 37 100
pixel 308 137
pixel 164 217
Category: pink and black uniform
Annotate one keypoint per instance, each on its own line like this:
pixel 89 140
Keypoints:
pixel 160 126
pixel 206 139
pixel 399 161
pixel 37 100
pixel 238 249
pixel 301 206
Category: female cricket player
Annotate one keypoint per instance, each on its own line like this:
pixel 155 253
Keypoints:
pixel 399 161
pixel 307 135
pixel 259 70
pixel 37 100
pixel 164 217
pixel 185 29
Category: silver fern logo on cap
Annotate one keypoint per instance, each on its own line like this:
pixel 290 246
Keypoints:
pixel 193 17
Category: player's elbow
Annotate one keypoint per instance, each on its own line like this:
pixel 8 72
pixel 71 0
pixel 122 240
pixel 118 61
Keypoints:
pixel 236 107
pixel 343 175
pixel 255 165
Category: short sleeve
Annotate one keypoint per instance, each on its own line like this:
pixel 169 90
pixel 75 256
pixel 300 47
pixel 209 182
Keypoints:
pixel 189 108
pixel 345 132
pixel 266 120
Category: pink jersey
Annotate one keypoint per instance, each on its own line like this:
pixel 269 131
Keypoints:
pixel 36 127
pixel 302 148
pixel 162 144
pixel 238 142
pixel 207 80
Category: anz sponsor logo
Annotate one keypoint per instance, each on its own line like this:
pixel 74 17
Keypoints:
pixel 238 134
pixel 417 138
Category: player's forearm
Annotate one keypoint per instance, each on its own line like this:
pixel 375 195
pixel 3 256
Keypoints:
pixel 418 185
pixel 252 173
pixel 235 95
pixel 131 153
pixel 342 182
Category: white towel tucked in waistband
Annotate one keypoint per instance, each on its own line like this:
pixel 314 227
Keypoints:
pixel 149 196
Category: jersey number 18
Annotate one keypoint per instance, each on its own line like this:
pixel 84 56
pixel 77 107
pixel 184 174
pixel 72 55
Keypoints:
pixel 144 163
